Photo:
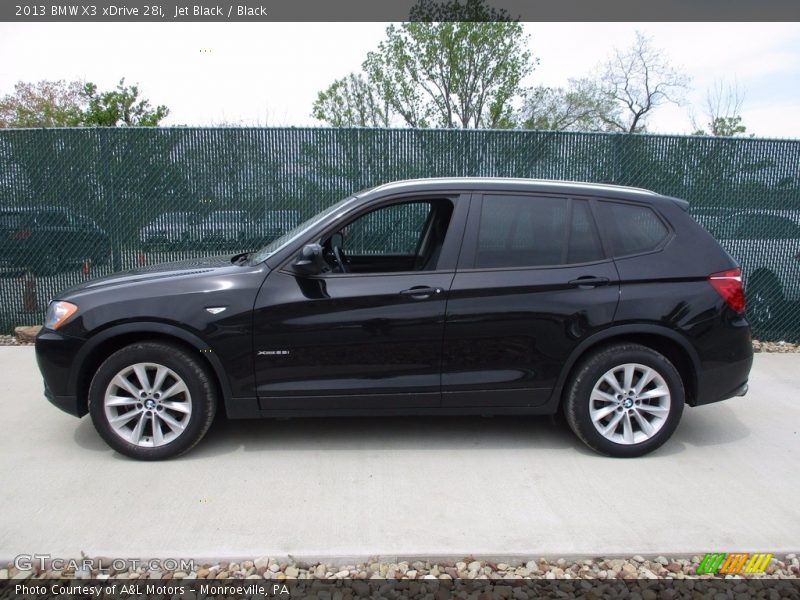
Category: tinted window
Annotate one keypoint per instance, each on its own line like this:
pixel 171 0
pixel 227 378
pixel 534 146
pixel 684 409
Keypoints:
pixel 529 231
pixel 584 241
pixel 632 229
pixel 393 230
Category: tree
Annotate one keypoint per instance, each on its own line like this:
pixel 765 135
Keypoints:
pixel 723 111
pixel 581 106
pixel 351 102
pixel 120 108
pixel 454 65
pixel 43 104
pixel 639 80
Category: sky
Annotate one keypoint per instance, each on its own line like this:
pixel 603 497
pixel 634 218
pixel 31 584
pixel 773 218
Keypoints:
pixel 268 74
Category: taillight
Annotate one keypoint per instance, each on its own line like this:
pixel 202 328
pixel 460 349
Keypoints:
pixel 22 234
pixel 729 285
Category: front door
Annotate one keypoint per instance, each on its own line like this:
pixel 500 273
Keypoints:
pixel 368 333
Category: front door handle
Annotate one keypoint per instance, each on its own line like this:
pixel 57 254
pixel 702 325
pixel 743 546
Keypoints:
pixel 421 292
pixel 587 282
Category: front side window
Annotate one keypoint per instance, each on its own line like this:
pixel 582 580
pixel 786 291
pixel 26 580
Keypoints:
pixel 531 231
pixel 406 236
pixel 632 228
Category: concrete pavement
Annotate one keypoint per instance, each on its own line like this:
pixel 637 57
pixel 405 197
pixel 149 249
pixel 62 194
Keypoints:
pixel 389 487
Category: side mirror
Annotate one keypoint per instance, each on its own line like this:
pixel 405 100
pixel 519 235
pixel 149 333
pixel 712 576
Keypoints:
pixel 310 261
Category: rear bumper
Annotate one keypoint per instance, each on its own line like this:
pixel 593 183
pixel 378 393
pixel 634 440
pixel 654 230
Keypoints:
pixel 724 382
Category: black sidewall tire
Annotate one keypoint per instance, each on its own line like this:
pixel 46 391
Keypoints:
pixel 196 376
pixel 591 369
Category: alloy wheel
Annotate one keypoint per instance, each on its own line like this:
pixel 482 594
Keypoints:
pixel 147 404
pixel 629 404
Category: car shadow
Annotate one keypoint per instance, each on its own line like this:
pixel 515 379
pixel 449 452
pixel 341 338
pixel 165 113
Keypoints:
pixel 705 426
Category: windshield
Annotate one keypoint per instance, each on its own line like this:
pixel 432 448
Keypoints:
pixel 298 231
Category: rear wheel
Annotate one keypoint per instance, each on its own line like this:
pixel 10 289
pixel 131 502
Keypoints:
pixel 152 400
pixel 625 400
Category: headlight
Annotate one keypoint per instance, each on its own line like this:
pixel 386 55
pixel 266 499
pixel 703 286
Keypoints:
pixel 58 313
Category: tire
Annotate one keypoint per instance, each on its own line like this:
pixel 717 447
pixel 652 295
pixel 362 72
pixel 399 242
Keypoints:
pixel 591 393
pixel 161 426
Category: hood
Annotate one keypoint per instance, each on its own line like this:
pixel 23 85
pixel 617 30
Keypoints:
pixel 182 268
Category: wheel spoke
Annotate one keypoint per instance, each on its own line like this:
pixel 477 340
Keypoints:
pixel 176 388
pixel 627 429
pixel 612 425
pixel 121 401
pixel 181 407
pixel 122 382
pixel 161 375
pixel 158 435
pixel 124 418
pixel 600 413
pixel 612 381
pixel 628 380
pixel 653 409
pixel 173 424
pixel 603 397
pixel 645 378
pixel 645 425
pixel 141 375
pixel 656 393
pixel 136 434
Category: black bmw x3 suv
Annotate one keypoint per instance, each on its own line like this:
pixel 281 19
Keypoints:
pixel 426 297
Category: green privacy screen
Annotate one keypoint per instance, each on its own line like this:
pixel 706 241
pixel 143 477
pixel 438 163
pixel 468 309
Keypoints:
pixel 79 203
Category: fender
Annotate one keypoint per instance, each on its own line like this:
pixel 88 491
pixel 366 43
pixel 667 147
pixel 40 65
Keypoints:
pixel 614 332
pixel 150 327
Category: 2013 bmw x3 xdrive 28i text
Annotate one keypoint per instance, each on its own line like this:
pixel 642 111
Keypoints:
pixel 438 296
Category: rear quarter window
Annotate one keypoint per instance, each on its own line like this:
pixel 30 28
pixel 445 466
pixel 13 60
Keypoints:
pixel 632 228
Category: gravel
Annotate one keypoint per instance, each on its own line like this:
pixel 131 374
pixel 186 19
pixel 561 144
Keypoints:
pixel 758 346
pixel 636 567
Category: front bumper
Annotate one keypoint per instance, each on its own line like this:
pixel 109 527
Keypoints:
pixel 55 355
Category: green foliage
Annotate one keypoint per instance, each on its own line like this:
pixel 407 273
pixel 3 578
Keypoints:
pixel 43 104
pixel 351 102
pixel 455 65
pixel 724 127
pixel 581 106
pixel 76 104
pixel 120 107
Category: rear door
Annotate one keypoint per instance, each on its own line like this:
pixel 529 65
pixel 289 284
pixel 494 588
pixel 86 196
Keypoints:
pixel 533 281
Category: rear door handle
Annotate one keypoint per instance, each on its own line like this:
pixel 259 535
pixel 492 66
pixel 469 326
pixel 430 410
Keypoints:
pixel 588 282
pixel 420 292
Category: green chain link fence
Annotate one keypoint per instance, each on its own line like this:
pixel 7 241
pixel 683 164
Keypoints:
pixel 79 203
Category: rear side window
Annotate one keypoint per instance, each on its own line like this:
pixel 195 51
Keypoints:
pixel 632 229
pixel 531 231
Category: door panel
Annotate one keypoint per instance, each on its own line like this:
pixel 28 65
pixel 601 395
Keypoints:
pixel 349 341
pixel 508 332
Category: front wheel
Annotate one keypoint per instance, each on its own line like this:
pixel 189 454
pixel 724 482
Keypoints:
pixel 625 400
pixel 152 400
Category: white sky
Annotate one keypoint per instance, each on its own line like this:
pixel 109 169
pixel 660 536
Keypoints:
pixel 270 73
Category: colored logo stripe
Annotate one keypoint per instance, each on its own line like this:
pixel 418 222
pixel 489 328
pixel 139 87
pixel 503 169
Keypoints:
pixel 734 563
